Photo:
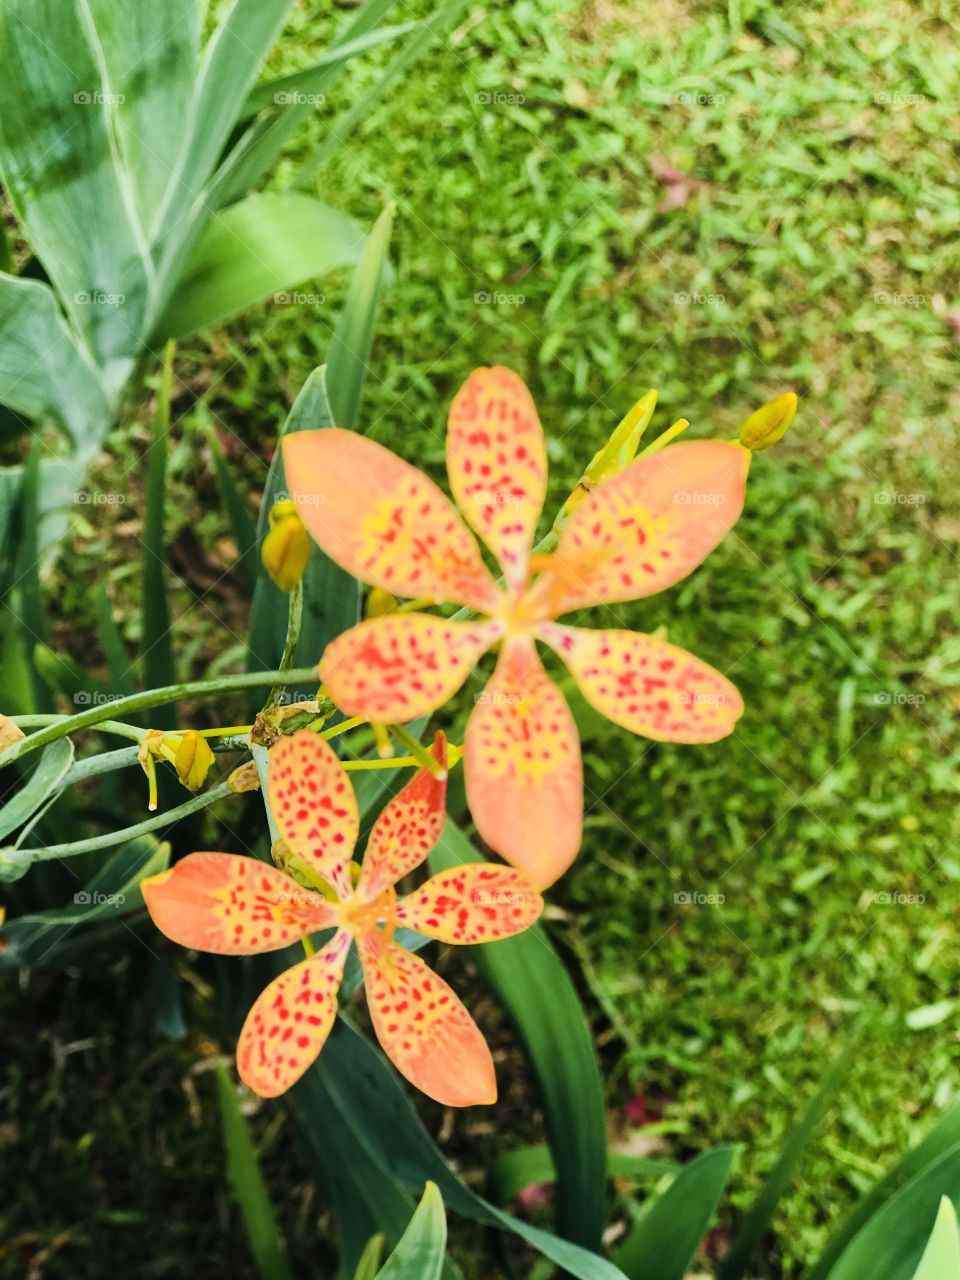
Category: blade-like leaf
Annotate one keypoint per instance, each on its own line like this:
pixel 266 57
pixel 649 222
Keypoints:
pixel 261 246
pixel 353 336
pixel 56 937
pixel 512 1171
pixel 238 513
pixel 663 1242
pixel 420 1253
pixel 941 1258
pixel 331 597
pixel 158 664
pixel 897 1233
pixel 559 1046
pixel 364 1105
pixel 229 65
pixel 43 373
pixel 944 1136
pixel 246 1183
pixel 370 1259
pixel 69 191
pixel 756 1221
pixel 42 784
pixel 111 642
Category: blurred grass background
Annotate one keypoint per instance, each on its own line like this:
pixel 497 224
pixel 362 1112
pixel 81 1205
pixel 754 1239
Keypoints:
pixel 722 201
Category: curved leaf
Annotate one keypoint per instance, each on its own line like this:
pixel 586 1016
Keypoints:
pixel 559 1046
pixel 941 1257
pixel 260 246
pixel 665 1239
pixel 420 1253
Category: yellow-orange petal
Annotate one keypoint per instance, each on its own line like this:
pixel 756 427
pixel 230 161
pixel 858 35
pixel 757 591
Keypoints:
pixel 231 905
pixel 646 528
pixel 314 804
pixel 497 464
pixel 289 1022
pixel 522 767
pixel 481 902
pixel 407 829
pixel 404 665
pixel 383 520
pixel 647 685
pixel 423 1027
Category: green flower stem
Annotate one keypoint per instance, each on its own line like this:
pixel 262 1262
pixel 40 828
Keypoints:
pixel 105 726
pixel 417 750
pixel 294 621
pixel 97 716
pixel 26 857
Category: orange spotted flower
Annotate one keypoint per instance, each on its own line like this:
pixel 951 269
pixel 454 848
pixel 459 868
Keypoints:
pixel 234 905
pixel 637 533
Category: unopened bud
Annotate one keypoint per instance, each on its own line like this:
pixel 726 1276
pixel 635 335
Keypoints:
pixel 244 778
pixel 380 602
pixel 619 451
pixel 769 423
pixel 286 548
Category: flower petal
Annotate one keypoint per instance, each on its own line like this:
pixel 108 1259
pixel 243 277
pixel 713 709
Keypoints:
pixel 314 804
pixel 290 1021
pixel 383 520
pixel 481 902
pixel 406 830
pixel 646 528
pixel 425 1031
pixel 647 685
pixel 497 464
pixel 404 665
pixel 522 767
pixel 231 905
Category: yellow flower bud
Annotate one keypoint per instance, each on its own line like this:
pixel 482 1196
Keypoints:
pixel 619 451
pixel 286 548
pixel 9 733
pixel 769 423
pixel 188 752
pixel 192 760
pixel 380 602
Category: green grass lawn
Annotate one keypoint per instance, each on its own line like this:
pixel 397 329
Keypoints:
pixel 813 244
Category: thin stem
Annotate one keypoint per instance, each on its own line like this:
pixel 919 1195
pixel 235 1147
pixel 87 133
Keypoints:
pixel 353 723
pixel 418 751
pixel 294 621
pixel 26 857
pixel 397 762
pixel 97 716
pixel 238 730
pixel 308 946
pixel 105 726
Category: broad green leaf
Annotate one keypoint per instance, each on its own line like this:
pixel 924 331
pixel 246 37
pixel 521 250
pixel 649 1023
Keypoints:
pixel 259 247
pixel 942 1137
pixel 666 1237
pixel 895 1236
pixel 440 20
pixel 361 1106
pixel 229 65
pixel 559 1046
pixel 43 783
pixel 44 375
pixel 370 1259
pixel 149 55
pixel 69 191
pixel 941 1258
pixel 260 145
pixel 353 335
pixel 331 597
pixel 420 1253
pixel 57 937
pixel 246 1183
pixel 512 1171
pixel 756 1221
